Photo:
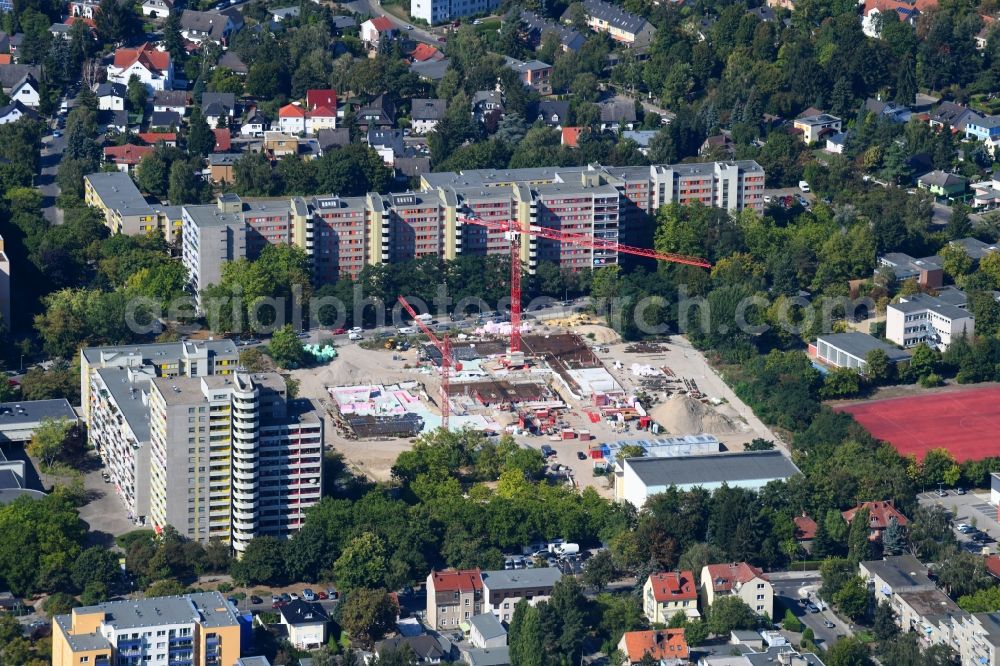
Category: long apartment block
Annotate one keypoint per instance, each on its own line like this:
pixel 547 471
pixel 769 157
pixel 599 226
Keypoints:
pixel 217 454
pixel 190 630
pixel 344 234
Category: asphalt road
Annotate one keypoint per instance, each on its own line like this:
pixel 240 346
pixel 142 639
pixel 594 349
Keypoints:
pixel 52 152
pixel 789 590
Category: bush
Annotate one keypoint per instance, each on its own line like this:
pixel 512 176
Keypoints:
pixel 931 380
pixel 225 587
pixel 59 603
pixel 791 623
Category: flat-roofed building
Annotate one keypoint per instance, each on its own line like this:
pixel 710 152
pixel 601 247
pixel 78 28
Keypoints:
pixel 197 629
pixel 851 350
pixel 637 479
pixel 231 457
pixel 211 235
pixel 18 422
pixel 924 318
pixel 502 590
pixel 815 127
pixel 119 200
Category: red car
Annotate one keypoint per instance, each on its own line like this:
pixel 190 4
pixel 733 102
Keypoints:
pixel 339 331
pixel 322 595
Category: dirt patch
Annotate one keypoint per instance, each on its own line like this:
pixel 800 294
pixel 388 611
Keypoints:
pixel 683 415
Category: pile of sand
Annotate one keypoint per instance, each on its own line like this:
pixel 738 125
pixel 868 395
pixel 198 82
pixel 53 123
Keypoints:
pixel 683 415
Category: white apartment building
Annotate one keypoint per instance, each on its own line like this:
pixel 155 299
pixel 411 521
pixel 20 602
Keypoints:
pixel 210 236
pixel 439 11
pixel 922 318
pixel 189 442
pixel 232 458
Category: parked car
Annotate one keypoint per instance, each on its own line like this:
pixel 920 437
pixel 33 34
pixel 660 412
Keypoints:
pixel 804 186
pixel 287 598
pixel 339 331
pixel 811 607
pixel 333 593
pixel 959 491
pixel 406 330
pixel 580 455
pixel 293 597
pixel 322 595
pixel 256 601
pixel 941 492
pixel 308 595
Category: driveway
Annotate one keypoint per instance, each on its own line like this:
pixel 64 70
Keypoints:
pixel 789 588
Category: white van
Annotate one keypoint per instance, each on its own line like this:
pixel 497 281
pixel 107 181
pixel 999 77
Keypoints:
pixel 425 317
pixel 804 186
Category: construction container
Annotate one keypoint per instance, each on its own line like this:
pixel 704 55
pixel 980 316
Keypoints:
pixel 600 399
pixel 568 433
pixel 585 436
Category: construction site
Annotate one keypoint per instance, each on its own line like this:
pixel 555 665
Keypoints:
pixel 565 385
pixel 583 398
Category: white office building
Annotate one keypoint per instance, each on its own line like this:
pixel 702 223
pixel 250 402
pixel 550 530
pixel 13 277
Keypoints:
pixel 922 318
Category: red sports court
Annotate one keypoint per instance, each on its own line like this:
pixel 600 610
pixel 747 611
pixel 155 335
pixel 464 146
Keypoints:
pixel 966 422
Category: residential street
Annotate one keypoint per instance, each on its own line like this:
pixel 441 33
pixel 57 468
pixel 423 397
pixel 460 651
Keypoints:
pixel 52 151
pixel 789 588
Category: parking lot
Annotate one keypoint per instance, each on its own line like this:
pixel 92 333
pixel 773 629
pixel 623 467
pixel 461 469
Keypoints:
pixel 972 508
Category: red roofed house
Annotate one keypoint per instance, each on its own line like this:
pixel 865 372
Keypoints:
pixel 571 136
pixel 292 119
pixel 127 156
pixel 805 530
pixel 739 578
pixel 901 10
pixel 373 30
pixel 317 98
pixel 322 117
pixel 223 140
pixel 153 138
pixel 879 515
pixel 152 66
pixel 425 53
pixel 667 646
pixel 666 594
pixel 453 597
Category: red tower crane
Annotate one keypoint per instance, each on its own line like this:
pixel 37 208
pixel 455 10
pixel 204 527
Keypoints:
pixel 514 231
pixel 447 359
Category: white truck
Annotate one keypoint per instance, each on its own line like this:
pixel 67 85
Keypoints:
pixel 562 549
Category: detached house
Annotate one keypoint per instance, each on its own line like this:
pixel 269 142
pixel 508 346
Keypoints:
pixel 667 647
pixel 292 119
pixel 666 594
pixel 306 624
pixel 741 579
pixel 216 106
pixel 254 124
pixel 381 112
pixel 815 127
pixel 218 27
pixel 153 67
pixel 111 96
pixel 14 112
pixel 373 30
pixel 487 104
pixel 880 514
pixel 157 8
pixel 951 115
pixel 425 114
pixel 25 91
pixel 126 157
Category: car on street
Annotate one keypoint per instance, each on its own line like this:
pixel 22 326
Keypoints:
pixel 811 607
pixel 409 27
pixel 828 624
pixel 255 600
pixel 406 330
